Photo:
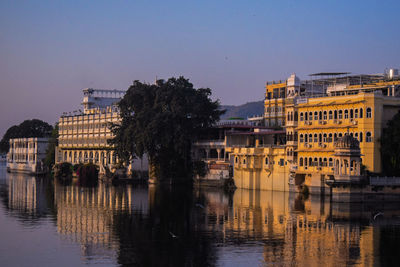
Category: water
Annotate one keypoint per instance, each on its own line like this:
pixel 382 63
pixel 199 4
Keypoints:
pixel 44 223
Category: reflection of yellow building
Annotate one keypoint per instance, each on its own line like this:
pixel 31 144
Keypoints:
pixel 293 231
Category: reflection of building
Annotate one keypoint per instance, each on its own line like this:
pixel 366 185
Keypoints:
pixel 83 135
pixel 293 231
pixel 86 215
pixel 27 155
pixel 26 195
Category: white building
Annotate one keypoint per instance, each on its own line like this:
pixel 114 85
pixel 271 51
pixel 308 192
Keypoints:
pixel 83 135
pixel 26 155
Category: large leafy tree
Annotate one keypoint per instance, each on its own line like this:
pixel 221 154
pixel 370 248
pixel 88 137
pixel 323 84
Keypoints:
pixel 28 128
pixel 163 120
pixel 390 147
pixel 51 148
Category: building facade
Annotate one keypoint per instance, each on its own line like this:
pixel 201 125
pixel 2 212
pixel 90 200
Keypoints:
pixel 83 135
pixel 26 155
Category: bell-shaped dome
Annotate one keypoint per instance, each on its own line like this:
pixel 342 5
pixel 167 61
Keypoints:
pixel 347 141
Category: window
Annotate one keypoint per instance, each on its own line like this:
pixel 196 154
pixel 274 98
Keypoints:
pixel 361 113
pixel 335 115
pixel 368 137
pixel 301 138
pixel 310 138
pixel 325 162
pixel 325 116
pixel 346 114
pixel 306 116
pixel 266 161
pixel 340 135
pixel 325 138
pixel 369 113
pixel 320 138
pixel 281 162
pixel 310 116
pixel 330 162
pixel 361 137
pixel 301 162
pixel 315 115
pixel 330 115
pixel 315 138
pixel 320 115
pixel 340 114
pixel 315 162
pixel 351 114
pixel 301 116
pixel 356 113
pixel 244 161
pixel 305 161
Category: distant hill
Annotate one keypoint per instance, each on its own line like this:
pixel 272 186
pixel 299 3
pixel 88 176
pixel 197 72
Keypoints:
pixel 246 110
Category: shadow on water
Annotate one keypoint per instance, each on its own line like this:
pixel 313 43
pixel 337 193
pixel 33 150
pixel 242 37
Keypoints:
pixel 169 235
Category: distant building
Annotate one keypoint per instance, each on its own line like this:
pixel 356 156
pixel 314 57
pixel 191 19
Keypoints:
pixel 83 134
pixel 26 155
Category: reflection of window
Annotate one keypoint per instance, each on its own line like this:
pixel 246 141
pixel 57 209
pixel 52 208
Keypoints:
pixel 368 137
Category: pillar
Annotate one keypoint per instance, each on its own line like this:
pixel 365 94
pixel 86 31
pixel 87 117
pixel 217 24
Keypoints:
pixel 219 153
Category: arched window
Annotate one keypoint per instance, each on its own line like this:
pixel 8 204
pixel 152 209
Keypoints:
pixel 340 114
pixel 301 162
pixel 315 162
pixel 351 114
pixel 305 138
pixel 368 137
pixel 325 116
pixel 310 162
pixel 310 138
pixel 361 113
pixel 305 116
pixel 369 113
pixel 301 116
pixel 310 116
pixel 335 137
pixel 330 162
pixel 296 116
pixel 96 157
pixel 320 162
pixel 266 161
pixel 340 135
pixel 320 115
pixel 315 115
pixel 346 114
pixel 325 162
pixel 244 161
pixel 305 162
pixel 356 113
pixel 325 138
pixel 301 138
pixel 315 138
pixel 320 138
pixel 335 115
pixel 70 156
pixel 330 115
pixel 65 156
pixel 330 138
pixel 361 137
pixel 236 160
pixel 75 156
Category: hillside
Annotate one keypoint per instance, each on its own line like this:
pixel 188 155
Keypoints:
pixel 246 110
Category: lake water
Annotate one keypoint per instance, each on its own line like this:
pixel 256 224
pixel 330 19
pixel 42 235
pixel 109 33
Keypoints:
pixel 45 223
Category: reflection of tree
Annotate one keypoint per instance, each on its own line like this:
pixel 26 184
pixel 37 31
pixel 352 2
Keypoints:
pixel 169 235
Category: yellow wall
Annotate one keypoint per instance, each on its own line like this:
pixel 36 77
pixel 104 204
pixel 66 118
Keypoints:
pixel 251 171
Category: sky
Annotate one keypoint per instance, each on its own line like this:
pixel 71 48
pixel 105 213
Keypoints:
pixel 51 50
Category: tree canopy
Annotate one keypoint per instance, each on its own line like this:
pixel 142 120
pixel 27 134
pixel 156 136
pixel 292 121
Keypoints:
pixel 163 120
pixel 28 128
pixel 390 147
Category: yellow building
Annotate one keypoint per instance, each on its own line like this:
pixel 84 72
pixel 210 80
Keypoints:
pixel 314 114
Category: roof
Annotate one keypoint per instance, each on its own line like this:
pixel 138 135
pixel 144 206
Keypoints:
pixel 329 73
pixel 257 133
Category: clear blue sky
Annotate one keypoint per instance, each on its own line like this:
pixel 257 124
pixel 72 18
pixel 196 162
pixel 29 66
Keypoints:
pixel 50 50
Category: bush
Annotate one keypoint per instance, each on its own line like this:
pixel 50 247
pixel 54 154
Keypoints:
pixel 63 169
pixel 199 168
pixel 88 174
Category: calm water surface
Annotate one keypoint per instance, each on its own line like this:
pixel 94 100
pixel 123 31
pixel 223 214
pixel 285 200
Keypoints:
pixel 45 223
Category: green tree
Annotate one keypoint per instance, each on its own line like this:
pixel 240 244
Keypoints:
pixel 51 148
pixel 163 120
pixel 390 147
pixel 28 128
